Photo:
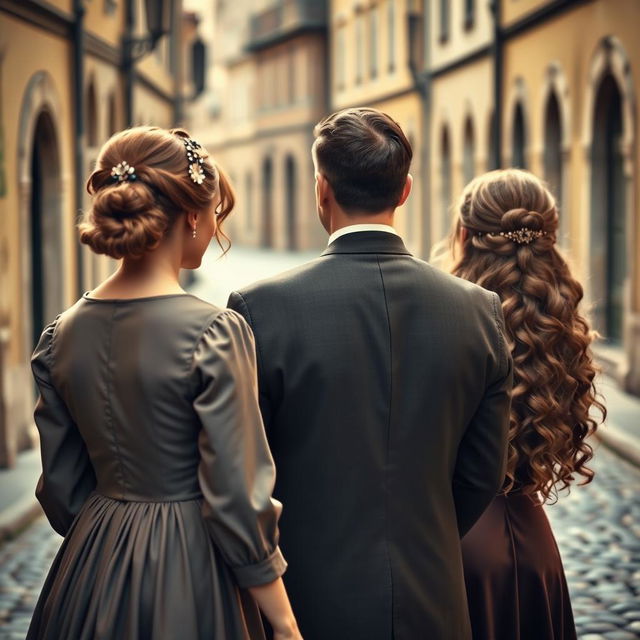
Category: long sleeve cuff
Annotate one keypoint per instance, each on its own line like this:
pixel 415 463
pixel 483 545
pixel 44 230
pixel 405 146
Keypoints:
pixel 268 570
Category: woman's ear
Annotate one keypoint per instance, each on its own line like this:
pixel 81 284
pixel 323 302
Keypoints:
pixel 191 220
pixel 464 234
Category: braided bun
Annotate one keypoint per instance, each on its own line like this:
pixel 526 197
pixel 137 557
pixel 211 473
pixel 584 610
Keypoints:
pixel 127 218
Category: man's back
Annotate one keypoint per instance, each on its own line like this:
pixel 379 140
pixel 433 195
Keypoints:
pixel 384 388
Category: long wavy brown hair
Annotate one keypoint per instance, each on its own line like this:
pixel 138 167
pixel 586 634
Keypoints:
pixel 549 340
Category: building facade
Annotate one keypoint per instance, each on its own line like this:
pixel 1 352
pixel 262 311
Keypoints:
pixel 67 82
pixel 562 79
pixel 269 89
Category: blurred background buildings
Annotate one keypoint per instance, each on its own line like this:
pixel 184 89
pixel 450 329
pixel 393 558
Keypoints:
pixel 547 85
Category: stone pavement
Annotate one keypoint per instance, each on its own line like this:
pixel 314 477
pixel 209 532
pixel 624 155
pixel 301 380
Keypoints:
pixel 597 528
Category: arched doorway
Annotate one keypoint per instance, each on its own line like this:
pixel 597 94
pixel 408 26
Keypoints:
pixel 45 227
pixel 92 116
pixel 290 195
pixel 608 253
pixel 553 146
pixel 267 203
pixel 468 152
pixel 518 139
pixel 445 181
pixel 552 155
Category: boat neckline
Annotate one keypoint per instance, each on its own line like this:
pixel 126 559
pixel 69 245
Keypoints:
pixel 86 296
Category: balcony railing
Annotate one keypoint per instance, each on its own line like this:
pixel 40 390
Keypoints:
pixel 284 20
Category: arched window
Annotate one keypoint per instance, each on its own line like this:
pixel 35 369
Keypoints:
pixel 445 180
pixel 290 194
pixel 341 68
pixel 45 225
pixel 518 139
pixel 391 26
pixel 112 120
pixel 248 199
pixel 608 253
pixel 267 202
pixel 553 146
pixel 373 41
pixel 468 152
pixel 92 116
pixel 492 159
pixel 359 47
pixel 444 20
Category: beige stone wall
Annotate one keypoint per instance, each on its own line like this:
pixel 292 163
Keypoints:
pixel 456 97
pixel 34 79
pixel 105 20
pixel 566 54
pixel 352 79
pixel 462 39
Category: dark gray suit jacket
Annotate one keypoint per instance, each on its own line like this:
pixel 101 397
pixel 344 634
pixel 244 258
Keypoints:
pixel 384 387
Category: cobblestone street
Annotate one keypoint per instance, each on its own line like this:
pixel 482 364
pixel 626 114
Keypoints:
pixel 597 527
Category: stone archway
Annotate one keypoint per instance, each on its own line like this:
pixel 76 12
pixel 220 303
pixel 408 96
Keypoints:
pixel 609 140
pixel 555 107
pixel 42 248
pixel 266 239
pixel 291 191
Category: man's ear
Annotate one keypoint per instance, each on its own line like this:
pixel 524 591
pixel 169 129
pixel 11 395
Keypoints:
pixel 406 190
pixel 323 189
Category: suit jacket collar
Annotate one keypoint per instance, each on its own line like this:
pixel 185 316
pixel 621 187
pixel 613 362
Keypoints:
pixel 367 242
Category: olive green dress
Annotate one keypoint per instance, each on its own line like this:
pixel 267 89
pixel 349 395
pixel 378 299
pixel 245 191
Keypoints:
pixel 156 471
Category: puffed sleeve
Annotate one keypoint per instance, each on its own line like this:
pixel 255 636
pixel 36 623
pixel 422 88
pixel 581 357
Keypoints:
pixel 236 471
pixel 67 476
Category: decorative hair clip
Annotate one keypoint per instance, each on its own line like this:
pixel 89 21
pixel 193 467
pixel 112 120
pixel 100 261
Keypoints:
pixel 524 235
pixel 123 172
pixel 196 161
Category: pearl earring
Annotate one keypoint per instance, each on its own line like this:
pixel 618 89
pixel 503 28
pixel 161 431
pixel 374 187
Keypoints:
pixel 194 232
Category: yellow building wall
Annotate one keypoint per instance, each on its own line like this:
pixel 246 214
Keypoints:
pixel 106 25
pixel 460 41
pixel 455 96
pixel 410 218
pixel 569 41
pixel 28 51
pixel 343 16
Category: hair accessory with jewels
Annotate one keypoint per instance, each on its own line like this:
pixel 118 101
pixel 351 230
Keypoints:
pixel 523 235
pixel 194 156
pixel 123 172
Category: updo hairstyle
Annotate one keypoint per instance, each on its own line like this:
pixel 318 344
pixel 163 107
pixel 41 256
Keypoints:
pixel 129 218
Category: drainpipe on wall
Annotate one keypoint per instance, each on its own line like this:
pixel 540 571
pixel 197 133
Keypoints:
pixel 497 53
pixel 78 95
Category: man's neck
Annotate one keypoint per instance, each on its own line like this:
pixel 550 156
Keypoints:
pixel 347 220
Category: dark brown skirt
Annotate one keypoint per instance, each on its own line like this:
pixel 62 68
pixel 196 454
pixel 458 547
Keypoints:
pixel 516 585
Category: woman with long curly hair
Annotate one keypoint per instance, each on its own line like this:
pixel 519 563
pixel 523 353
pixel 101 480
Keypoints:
pixel 504 239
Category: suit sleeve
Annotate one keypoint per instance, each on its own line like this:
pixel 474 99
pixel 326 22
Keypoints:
pixel 67 476
pixel 238 303
pixel 480 465
pixel 236 471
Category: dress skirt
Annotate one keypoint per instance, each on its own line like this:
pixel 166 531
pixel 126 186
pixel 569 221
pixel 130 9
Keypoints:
pixel 516 587
pixel 142 571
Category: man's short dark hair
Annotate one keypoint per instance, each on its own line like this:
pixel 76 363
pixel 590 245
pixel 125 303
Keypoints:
pixel 365 157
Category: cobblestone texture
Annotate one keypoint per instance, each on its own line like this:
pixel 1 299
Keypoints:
pixel 597 528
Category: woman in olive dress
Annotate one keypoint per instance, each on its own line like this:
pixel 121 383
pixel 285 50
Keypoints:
pixel 504 239
pixel 155 464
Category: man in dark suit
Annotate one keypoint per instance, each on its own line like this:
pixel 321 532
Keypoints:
pixel 384 386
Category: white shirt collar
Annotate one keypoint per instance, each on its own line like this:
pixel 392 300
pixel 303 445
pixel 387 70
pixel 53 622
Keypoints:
pixel 354 228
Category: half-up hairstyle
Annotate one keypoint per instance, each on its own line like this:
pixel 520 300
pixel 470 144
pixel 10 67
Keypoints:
pixel 130 217
pixel 549 340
